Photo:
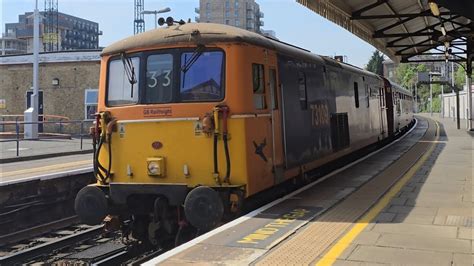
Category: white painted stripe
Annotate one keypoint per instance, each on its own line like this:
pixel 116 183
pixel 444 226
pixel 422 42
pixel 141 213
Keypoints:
pixel 158 120
pixel 252 214
pixel 49 176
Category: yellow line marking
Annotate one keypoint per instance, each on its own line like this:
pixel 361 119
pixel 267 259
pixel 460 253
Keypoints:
pixel 331 256
pixel 46 168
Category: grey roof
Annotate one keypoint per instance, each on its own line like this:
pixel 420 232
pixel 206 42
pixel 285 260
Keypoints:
pixel 205 33
pixel 400 29
pixel 199 33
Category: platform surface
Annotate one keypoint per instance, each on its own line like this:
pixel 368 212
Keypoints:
pixel 408 204
pixel 50 167
pixel 42 148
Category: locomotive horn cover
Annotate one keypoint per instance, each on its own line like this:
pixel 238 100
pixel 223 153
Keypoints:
pixel 91 205
pixel 203 208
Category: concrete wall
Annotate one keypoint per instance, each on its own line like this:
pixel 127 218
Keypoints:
pixel 449 105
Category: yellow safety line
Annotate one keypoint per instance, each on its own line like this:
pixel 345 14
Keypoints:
pixel 331 256
pixel 45 168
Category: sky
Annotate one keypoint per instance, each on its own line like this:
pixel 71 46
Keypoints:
pixel 292 22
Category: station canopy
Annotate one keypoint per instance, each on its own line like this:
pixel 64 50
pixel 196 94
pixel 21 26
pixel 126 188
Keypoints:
pixel 405 30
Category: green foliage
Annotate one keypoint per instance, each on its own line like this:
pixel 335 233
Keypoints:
pixel 406 74
pixel 460 77
pixel 375 64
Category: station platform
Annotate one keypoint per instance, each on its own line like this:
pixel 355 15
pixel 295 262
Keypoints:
pixel 409 203
pixel 55 167
pixel 41 149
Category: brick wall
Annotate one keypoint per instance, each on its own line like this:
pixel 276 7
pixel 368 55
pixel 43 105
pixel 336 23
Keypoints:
pixel 65 99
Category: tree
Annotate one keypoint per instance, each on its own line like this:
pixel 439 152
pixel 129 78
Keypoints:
pixel 406 74
pixel 375 64
pixel 460 77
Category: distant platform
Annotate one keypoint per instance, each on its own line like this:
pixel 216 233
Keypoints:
pixel 48 168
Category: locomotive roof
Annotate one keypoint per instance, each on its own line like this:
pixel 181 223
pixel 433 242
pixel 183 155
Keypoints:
pixel 198 33
pixel 205 33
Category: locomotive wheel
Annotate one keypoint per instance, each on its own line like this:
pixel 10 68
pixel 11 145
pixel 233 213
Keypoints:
pixel 91 205
pixel 203 208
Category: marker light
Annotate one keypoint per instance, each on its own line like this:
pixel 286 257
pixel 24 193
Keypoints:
pixel 156 166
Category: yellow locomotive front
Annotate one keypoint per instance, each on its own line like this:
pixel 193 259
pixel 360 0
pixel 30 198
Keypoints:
pixel 169 147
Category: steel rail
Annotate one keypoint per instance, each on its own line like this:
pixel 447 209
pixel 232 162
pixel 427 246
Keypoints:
pixel 48 247
pixel 37 230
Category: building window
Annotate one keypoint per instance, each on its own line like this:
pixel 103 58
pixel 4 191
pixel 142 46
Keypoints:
pixel 208 6
pixel 227 21
pixel 236 12
pixel 90 103
pixel 303 95
pixel 227 13
pixel 236 4
pixel 227 4
pixel 258 86
pixel 356 94
pixel 237 22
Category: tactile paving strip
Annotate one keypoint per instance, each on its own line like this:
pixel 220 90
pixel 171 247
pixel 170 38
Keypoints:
pixel 313 240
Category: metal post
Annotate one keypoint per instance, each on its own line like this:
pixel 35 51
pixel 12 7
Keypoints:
pixel 458 118
pixel 36 44
pixel 82 130
pixel 416 98
pixel 431 97
pixel 469 100
pixel 31 115
pixel 17 129
pixel 470 57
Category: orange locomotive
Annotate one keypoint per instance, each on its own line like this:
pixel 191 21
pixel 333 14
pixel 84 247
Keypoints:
pixel 195 118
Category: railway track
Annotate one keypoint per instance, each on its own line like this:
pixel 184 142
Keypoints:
pixel 78 244
pixel 30 249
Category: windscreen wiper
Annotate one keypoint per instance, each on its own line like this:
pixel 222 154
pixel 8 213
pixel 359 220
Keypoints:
pixel 194 57
pixel 129 71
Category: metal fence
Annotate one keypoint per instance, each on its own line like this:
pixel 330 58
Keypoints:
pixel 61 129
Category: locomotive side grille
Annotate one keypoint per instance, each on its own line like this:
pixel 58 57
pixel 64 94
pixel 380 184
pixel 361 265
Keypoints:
pixel 339 131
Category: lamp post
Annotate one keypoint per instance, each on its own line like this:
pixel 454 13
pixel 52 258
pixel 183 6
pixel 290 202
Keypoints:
pixel 31 115
pixel 431 75
pixel 155 12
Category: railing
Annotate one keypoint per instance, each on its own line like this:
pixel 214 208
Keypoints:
pixel 60 120
pixel 77 130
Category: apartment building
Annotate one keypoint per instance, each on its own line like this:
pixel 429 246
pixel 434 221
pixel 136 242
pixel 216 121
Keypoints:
pixel 244 14
pixel 70 32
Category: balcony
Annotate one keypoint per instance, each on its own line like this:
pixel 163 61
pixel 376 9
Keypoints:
pixel 250 15
pixel 197 10
pixel 261 14
pixel 197 19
